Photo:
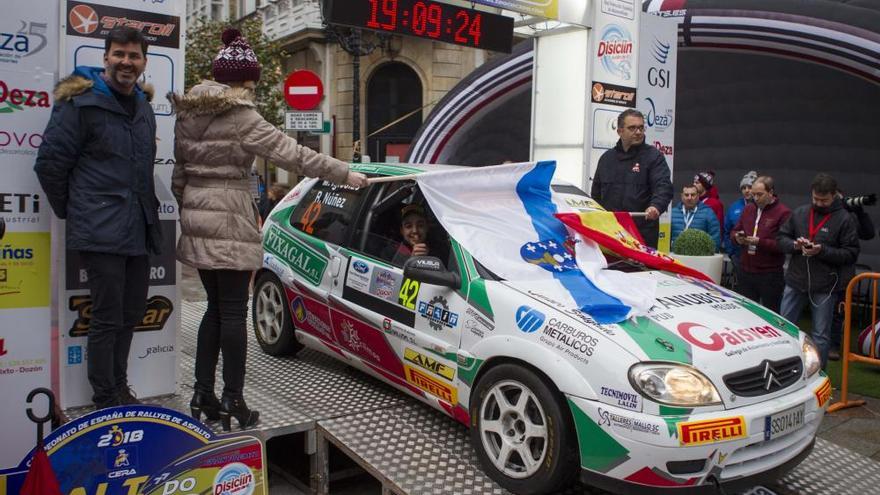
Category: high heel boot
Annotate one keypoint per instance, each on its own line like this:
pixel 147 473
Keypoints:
pixel 203 402
pixel 235 407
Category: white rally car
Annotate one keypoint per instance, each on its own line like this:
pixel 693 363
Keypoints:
pixel 709 390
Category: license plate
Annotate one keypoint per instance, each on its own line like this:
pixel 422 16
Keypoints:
pixel 783 423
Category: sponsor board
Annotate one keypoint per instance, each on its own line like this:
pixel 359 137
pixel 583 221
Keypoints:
pixel 148 450
pixel 18 208
pixel 154 350
pixel 13 98
pixel 429 364
pixel 24 270
pixel 711 431
pixel 736 340
pixel 385 284
pixel 615 52
pixel 92 20
pixel 605 128
pixel 823 393
pixel 300 257
pixel 626 400
pixel 158 312
pixel 625 9
pixel 658 120
pixel 436 388
pixel 436 311
pixel 608 418
pixel 26 42
pixel 612 94
pixel 666 149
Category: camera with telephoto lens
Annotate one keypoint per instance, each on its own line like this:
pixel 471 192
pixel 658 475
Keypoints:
pixel 851 202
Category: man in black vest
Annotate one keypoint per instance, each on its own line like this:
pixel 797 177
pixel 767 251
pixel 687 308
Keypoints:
pixel 633 176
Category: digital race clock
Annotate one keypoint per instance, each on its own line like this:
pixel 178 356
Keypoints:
pixel 425 19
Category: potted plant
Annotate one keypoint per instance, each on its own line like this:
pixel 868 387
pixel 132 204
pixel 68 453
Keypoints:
pixel 696 249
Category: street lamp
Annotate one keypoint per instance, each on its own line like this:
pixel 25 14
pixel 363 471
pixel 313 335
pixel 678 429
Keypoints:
pixel 352 42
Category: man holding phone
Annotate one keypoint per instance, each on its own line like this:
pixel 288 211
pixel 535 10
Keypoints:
pixel 760 275
pixel 824 246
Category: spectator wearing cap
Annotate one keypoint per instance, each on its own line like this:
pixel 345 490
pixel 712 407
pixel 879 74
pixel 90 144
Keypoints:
pixel 413 233
pixel 218 134
pixel 733 213
pixel 705 182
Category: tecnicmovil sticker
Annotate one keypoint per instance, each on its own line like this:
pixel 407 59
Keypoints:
pixel 148 450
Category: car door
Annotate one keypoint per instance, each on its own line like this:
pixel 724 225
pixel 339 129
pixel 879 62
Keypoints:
pixel 386 318
pixel 303 248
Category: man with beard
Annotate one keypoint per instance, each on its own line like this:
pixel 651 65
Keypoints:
pixel 760 276
pixel 96 166
pixel 824 246
pixel 634 177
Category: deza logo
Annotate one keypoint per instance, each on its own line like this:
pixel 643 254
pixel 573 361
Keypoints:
pixel 28 40
pixel 529 319
pixel 15 98
pixel 616 51
pixel 711 340
pixel 654 119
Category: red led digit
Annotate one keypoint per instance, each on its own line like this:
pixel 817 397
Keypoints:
pixel 475 29
pixel 463 19
pixel 389 8
pixel 374 13
pixel 435 15
pixel 418 23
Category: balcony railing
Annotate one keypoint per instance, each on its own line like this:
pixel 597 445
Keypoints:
pixel 283 18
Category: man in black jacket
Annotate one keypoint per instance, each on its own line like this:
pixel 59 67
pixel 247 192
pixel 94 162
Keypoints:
pixel 634 176
pixel 96 166
pixel 822 240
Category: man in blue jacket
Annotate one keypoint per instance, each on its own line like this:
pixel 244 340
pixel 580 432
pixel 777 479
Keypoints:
pixel 96 167
pixel 692 214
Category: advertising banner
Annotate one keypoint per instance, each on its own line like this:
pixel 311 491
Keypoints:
pixel 147 450
pixel 658 59
pixel 152 360
pixel 28 64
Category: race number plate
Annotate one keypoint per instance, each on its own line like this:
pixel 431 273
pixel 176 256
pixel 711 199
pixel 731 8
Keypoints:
pixel 783 423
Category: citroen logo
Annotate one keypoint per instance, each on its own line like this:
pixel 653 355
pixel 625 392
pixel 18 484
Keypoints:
pixel 770 377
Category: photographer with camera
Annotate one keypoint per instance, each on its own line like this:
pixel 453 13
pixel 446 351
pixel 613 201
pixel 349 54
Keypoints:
pixel 865 228
pixel 822 240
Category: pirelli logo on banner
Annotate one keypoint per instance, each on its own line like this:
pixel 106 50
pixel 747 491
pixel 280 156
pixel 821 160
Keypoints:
pixel 429 364
pixel 712 430
pixel 430 385
pixel 823 393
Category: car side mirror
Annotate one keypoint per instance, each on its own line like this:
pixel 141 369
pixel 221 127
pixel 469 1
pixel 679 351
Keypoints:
pixel 430 270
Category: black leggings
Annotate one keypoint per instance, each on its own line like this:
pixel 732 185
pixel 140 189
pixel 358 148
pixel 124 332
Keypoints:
pixel 223 329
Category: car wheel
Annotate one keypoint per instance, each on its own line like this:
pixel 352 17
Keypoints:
pixel 522 431
pixel 272 324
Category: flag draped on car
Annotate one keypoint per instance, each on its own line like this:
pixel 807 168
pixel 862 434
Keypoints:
pixel 504 216
pixel 616 232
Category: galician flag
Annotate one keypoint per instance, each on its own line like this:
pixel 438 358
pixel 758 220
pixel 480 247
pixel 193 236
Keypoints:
pixel 505 217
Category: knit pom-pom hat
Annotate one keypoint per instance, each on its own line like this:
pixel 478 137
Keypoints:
pixel 236 61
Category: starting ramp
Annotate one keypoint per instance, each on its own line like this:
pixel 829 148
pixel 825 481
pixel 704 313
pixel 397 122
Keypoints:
pixel 407 446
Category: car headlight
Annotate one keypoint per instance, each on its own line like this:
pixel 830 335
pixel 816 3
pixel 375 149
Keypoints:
pixel 812 361
pixel 673 384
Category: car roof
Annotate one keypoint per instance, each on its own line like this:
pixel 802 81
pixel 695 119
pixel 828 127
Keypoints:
pixel 397 169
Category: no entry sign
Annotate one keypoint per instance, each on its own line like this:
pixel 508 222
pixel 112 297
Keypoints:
pixel 303 90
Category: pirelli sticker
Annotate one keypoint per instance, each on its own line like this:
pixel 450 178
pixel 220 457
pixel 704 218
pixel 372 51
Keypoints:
pixel 429 364
pixel 712 430
pixel 431 385
pixel 823 393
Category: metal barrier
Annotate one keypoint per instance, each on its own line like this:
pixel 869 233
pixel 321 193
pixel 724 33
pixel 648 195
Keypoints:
pixel 865 304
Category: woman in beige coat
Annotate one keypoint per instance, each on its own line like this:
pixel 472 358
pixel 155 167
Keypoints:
pixel 217 135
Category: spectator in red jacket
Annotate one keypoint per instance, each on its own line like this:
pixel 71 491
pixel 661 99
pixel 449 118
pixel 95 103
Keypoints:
pixel 705 182
pixel 760 276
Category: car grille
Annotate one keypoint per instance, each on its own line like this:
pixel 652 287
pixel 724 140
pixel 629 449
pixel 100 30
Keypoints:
pixel 766 378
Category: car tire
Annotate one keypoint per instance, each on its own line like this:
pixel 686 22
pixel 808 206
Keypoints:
pixel 273 326
pixel 533 420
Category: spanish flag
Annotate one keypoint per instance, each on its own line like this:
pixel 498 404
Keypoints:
pixel 617 233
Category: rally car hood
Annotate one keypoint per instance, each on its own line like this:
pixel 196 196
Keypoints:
pixel 699 324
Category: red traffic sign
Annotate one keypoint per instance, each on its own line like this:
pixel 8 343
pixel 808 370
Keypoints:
pixel 303 90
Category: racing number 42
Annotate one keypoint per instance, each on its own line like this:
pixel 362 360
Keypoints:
pixel 408 292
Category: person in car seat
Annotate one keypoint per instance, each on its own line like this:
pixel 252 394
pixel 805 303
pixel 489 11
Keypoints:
pixel 414 234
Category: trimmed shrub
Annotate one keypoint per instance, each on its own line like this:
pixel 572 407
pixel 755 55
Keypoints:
pixel 693 242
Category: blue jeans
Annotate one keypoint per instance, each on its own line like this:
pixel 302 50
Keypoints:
pixel 822 308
